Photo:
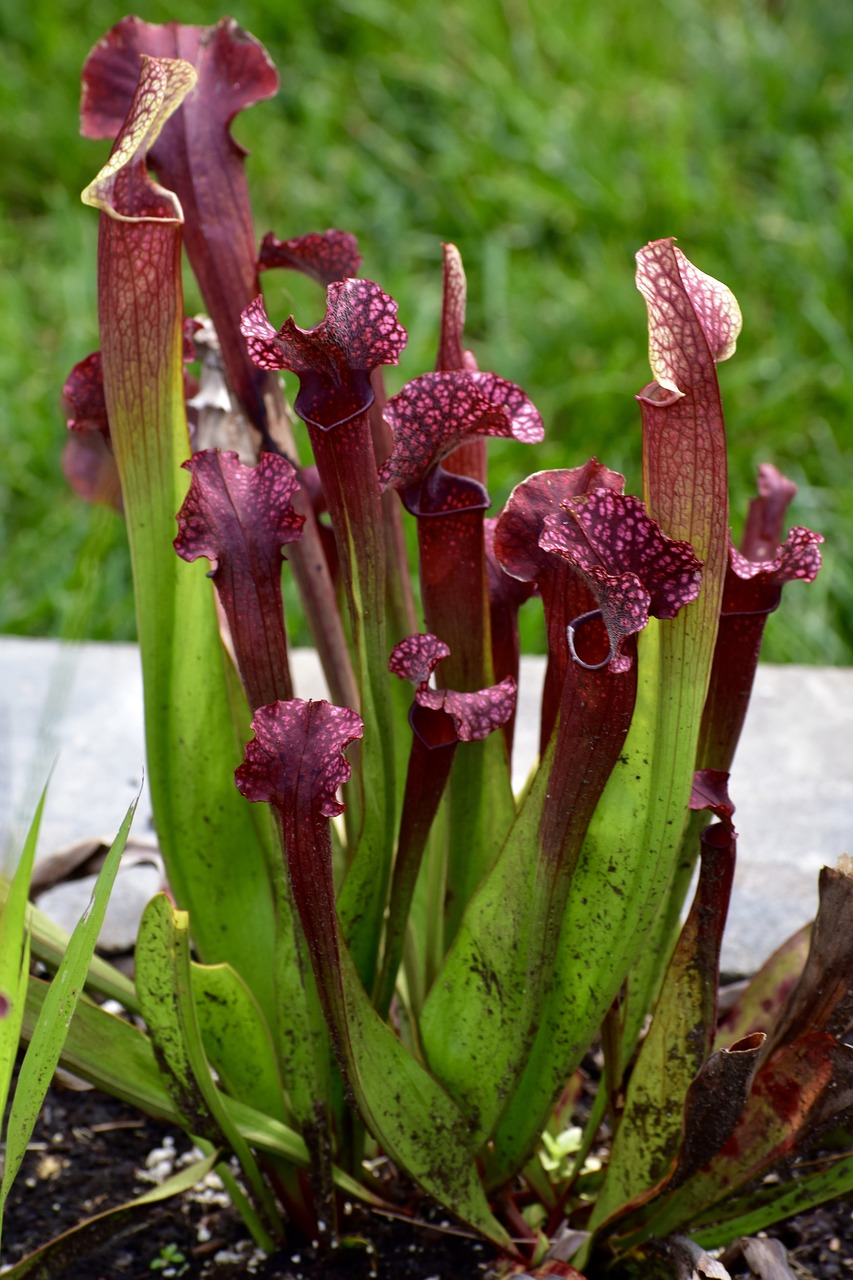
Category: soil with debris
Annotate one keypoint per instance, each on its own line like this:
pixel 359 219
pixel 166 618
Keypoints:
pixel 90 1152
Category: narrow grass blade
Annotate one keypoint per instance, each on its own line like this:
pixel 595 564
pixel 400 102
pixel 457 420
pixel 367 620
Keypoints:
pixel 49 943
pixel 110 1053
pixel 45 1048
pixel 53 1258
pixel 15 954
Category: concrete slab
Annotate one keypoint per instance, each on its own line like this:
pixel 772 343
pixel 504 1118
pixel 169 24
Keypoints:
pixel 792 783
pixel 792 780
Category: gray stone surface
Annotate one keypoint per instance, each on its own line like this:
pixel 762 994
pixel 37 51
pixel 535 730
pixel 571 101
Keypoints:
pixel 792 780
pixel 79 707
pixel 133 888
pixel 792 783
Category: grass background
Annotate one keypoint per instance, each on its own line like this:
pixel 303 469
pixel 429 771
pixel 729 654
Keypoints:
pixel 549 140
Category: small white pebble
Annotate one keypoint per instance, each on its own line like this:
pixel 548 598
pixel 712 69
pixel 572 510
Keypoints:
pixel 158 1155
pixel 210 1196
pixel 157 1169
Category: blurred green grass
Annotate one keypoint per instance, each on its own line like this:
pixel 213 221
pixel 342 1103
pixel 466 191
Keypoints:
pixel 548 141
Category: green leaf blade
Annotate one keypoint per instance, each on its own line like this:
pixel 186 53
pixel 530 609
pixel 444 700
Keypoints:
pixel 15 953
pixel 49 1033
pixel 164 980
pixel 648 1138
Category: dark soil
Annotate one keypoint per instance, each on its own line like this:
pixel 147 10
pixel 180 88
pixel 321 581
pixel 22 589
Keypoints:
pixel 88 1153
